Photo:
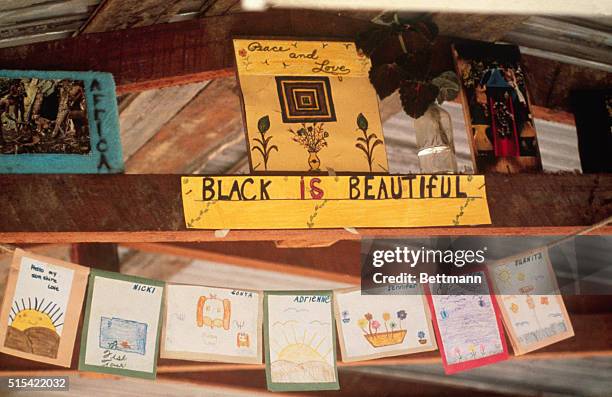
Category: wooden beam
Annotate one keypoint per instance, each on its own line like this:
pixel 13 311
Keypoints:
pixel 351 384
pixel 147 208
pixel 174 53
pixel 123 14
pixel 340 262
pixel 149 111
pixel 206 123
pixel 103 256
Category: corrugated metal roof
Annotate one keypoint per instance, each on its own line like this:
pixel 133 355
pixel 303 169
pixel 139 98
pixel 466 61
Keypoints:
pixel 30 21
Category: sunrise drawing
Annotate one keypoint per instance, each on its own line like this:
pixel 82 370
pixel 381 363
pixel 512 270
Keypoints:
pixel 34 327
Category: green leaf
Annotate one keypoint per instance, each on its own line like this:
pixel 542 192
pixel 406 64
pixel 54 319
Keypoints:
pixel 448 84
pixel 362 122
pixel 263 124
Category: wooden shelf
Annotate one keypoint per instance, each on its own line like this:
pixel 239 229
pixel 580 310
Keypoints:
pixel 147 208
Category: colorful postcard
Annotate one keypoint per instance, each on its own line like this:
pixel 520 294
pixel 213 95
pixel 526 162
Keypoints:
pixel 212 324
pixel 122 325
pixel 468 324
pixel 58 122
pixel 497 108
pixel 531 304
pixel 41 309
pixel 374 326
pixel 309 107
pixel 300 341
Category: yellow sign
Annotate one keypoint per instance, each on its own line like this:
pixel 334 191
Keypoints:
pixel 305 202
pixel 309 106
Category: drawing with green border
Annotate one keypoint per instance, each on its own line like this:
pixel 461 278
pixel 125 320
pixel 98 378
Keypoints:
pixel 300 341
pixel 122 325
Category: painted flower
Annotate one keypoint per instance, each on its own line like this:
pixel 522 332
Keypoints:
pixel 402 314
pixel 375 325
pixel 368 316
pixel 242 52
pixel 421 334
pixel 386 316
pixel 362 323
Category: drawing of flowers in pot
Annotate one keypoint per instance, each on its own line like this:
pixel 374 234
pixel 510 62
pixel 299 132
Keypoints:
pixel 313 139
pixel 390 336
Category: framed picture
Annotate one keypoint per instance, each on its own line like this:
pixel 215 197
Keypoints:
pixel 58 122
pixel 375 326
pixel 212 324
pixel 309 107
pixel 497 110
pixel 41 308
pixel 122 325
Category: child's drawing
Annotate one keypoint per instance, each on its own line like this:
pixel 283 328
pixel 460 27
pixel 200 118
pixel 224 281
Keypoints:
pixel 123 335
pixel 531 303
pixel 207 323
pixel 468 325
pixel 300 341
pixel 213 312
pixel 373 326
pixel 122 325
pixel 37 308
pixel 33 327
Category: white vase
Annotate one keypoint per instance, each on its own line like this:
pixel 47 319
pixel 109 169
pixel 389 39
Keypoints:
pixel 434 136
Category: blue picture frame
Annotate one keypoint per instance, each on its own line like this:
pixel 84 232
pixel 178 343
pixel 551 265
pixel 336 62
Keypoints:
pixel 105 155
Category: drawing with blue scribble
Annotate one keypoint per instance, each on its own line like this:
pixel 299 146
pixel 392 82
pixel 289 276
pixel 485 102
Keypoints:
pixel 123 335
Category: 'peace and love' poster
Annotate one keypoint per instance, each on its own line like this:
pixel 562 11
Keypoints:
pixel 374 326
pixel 41 308
pixel 122 325
pixel 212 324
pixel 531 303
pixel 468 325
pixel 309 106
pixel 300 341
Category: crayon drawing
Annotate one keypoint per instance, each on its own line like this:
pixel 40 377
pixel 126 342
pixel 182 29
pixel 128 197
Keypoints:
pixel 468 325
pixel 33 327
pixel 531 304
pixel 374 326
pixel 123 335
pixel 212 324
pixel 41 308
pixel 122 325
pixel 301 342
